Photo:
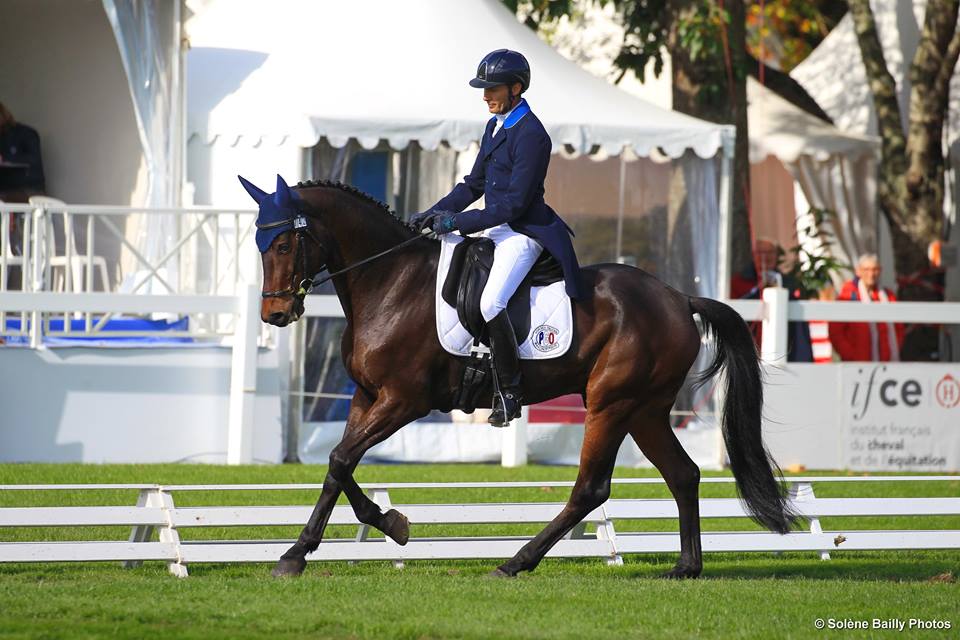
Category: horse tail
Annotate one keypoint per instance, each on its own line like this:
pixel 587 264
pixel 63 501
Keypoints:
pixel 757 475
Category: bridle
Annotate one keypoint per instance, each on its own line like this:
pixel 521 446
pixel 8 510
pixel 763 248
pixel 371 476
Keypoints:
pixel 302 230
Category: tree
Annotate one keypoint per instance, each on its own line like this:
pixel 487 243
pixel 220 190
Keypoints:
pixel 911 180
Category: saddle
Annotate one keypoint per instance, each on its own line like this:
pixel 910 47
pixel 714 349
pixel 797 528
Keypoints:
pixel 469 271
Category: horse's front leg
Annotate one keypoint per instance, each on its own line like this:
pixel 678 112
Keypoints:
pixel 293 561
pixel 388 414
pixel 367 425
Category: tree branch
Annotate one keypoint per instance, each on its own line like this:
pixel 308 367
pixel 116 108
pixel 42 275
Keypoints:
pixel 881 82
pixel 942 81
pixel 787 88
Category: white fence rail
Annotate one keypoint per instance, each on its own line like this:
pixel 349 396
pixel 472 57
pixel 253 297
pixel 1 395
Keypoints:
pixel 156 511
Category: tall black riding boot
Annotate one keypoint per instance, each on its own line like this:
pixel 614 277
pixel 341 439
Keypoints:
pixel 506 370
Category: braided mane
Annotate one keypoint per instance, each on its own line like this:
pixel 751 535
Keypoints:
pixel 366 197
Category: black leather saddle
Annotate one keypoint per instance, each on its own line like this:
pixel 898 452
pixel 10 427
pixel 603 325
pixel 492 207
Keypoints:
pixel 468 274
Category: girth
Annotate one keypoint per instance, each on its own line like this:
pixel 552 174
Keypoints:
pixel 469 271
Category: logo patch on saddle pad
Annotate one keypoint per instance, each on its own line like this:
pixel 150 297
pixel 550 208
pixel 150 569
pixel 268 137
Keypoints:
pixel 545 338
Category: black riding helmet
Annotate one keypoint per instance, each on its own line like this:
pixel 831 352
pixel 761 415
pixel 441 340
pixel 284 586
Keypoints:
pixel 502 66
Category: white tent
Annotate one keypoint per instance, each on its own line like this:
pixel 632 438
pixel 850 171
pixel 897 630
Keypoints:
pixel 379 69
pixel 827 168
pixel 268 81
pixel 272 86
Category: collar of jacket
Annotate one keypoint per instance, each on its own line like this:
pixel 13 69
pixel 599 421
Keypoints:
pixel 514 115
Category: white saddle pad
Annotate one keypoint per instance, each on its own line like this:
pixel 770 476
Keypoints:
pixel 551 316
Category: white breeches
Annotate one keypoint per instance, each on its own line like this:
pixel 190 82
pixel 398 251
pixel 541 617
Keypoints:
pixel 513 258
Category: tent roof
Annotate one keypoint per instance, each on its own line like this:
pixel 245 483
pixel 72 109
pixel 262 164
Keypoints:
pixel 781 129
pixel 292 71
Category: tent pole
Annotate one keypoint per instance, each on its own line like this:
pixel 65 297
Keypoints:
pixel 728 137
pixel 618 255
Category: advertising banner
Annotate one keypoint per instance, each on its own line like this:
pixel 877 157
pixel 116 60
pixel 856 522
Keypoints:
pixel 901 417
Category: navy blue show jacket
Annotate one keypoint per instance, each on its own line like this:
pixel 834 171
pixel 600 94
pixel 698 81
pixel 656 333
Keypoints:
pixel 509 172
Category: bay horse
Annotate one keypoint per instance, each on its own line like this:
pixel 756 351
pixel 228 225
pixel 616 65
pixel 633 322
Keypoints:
pixel 636 340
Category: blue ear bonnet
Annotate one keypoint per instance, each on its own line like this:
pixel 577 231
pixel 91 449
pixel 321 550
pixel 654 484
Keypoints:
pixel 278 211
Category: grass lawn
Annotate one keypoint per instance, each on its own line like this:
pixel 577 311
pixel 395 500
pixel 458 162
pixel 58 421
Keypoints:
pixel 739 595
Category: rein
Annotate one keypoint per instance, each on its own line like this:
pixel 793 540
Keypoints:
pixel 315 283
pixel 299 223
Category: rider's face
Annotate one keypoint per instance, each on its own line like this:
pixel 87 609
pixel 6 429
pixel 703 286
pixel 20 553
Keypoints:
pixel 497 98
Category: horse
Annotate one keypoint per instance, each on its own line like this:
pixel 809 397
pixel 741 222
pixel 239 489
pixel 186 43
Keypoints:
pixel 636 340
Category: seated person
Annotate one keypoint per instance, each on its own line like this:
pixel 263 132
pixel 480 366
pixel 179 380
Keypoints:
pixel 21 166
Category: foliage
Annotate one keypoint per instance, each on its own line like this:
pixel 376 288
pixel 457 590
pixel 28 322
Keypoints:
pixel 779 32
pixel 782 33
pixel 814 267
pixel 700 33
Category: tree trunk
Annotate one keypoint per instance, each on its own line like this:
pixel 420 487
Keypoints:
pixel 910 187
pixel 728 106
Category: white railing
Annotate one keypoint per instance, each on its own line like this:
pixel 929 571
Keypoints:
pixel 210 240
pixel 210 252
pixel 776 310
pixel 156 511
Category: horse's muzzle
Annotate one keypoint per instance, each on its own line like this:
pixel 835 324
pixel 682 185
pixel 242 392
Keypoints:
pixel 283 317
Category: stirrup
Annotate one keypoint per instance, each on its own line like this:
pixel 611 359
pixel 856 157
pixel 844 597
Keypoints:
pixel 498 417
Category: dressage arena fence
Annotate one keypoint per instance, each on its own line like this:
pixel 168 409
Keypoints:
pixel 156 511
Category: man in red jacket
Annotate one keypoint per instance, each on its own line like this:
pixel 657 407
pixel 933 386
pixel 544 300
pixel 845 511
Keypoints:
pixel 867 341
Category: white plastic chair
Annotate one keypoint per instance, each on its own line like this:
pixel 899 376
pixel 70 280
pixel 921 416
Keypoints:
pixel 69 262
pixel 6 249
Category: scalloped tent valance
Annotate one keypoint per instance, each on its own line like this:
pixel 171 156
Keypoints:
pixel 780 129
pixel 294 71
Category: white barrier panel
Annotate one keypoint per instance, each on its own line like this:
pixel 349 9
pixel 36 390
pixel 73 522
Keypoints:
pixel 156 510
pixel 864 416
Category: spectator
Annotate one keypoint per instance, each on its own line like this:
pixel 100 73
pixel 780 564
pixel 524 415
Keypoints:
pixel 765 272
pixel 21 166
pixel 867 341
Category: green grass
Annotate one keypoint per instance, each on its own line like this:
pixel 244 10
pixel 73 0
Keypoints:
pixel 739 595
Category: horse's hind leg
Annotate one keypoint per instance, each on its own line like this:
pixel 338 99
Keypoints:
pixel 656 439
pixel 367 425
pixel 602 437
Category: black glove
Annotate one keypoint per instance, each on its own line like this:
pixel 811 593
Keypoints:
pixel 419 220
pixel 443 222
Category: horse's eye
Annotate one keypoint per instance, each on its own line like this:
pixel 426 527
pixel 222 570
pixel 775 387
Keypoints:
pixel 284 247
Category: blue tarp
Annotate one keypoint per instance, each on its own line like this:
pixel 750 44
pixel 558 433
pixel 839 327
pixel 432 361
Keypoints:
pixel 117 324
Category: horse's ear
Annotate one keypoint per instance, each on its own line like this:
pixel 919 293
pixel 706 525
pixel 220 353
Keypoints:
pixel 255 192
pixel 284 195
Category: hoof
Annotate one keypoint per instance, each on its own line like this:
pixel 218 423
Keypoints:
pixel 396 525
pixel 289 567
pixel 500 573
pixel 681 573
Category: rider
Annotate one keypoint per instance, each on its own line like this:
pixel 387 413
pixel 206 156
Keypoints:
pixel 509 173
